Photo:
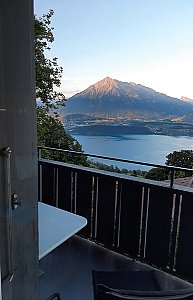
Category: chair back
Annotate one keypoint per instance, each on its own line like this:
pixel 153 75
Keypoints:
pixel 134 285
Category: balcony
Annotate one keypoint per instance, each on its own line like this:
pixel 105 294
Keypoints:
pixel 133 224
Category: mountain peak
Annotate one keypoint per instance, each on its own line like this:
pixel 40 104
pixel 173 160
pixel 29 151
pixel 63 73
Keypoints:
pixel 107 79
pixel 105 85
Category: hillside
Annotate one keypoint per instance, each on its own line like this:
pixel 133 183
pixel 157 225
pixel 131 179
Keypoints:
pixel 112 98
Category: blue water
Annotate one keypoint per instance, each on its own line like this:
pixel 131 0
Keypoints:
pixel 144 148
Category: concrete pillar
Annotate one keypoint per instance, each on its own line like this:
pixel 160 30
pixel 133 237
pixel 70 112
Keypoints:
pixel 19 252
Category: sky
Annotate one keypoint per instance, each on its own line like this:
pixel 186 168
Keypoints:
pixel 149 42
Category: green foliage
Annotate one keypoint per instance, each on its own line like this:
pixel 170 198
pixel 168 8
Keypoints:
pixel 159 174
pixel 50 130
pixel 115 169
pixel 137 173
pixel 51 133
pixel 125 171
pixel 104 167
pixel 109 168
pixel 48 73
pixel 183 159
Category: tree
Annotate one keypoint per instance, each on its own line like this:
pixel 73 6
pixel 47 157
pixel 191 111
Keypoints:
pixel 159 174
pixel 137 173
pixel 48 73
pixel 183 159
pixel 51 133
pixel 50 130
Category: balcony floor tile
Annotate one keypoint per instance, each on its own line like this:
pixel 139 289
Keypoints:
pixel 68 269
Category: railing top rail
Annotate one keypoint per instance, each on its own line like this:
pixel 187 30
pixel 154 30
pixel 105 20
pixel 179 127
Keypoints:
pixel 170 168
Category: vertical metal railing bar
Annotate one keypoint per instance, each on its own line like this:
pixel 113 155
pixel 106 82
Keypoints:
pixel 92 207
pixel 75 191
pixel 72 192
pixel 96 207
pixel 119 216
pixel 141 221
pixel 146 223
pixel 56 187
pixel 172 178
pixel 115 214
pixel 177 233
pixel 40 182
pixel 171 231
pixel 6 152
pixel 39 153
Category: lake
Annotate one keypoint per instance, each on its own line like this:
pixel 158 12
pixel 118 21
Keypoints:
pixel 144 148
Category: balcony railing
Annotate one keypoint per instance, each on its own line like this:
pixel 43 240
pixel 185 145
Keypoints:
pixel 147 220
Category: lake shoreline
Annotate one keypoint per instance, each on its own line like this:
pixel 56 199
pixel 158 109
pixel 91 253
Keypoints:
pixel 142 128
